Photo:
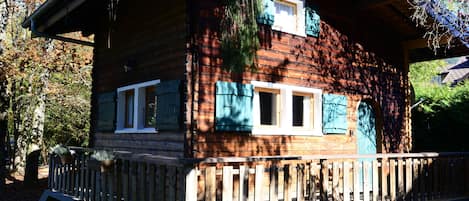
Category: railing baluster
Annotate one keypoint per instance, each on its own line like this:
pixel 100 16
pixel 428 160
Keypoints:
pixel 259 177
pixel 287 174
pixel 366 180
pixel 346 181
pixel 335 181
pixel 384 178
pixel 356 180
pixel 408 178
pixel 324 179
pixel 392 179
pixel 375 180
pixel 227 181
pixel 273 185
pixel 243 183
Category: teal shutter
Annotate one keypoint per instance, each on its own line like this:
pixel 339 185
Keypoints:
pixel 312 22
pixel 233 106
pixel 268 12
pixel 106 112
pixel 334 113
pixel 168 105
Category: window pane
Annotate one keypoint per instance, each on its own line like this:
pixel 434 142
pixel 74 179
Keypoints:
pixel 150 106
pixel 129 109
pixel 268 108
pixel 285 16
pixel 298 110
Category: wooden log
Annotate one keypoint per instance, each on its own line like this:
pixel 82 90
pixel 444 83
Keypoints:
pixel 227 180
pixel 335 181
pixel 258 196
pixel 366 180
pixel 375 193
pixel 273 185
pixel 210 183
pixel 346 181
pixel 356 180
pixel 392 179
pixel 287 186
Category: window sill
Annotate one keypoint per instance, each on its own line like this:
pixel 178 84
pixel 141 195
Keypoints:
pixel 279 131
pixel 296 33
pixel 133 130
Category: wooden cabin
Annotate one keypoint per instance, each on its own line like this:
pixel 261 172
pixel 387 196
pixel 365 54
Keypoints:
pixel 331 77
pixel 160 87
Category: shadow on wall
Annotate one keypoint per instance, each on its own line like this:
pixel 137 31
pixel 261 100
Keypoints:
pixel 332 62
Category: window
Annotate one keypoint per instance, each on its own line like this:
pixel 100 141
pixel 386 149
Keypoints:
pixel 280 109
pixel 289 17
pixel 136 108
pixel 268 104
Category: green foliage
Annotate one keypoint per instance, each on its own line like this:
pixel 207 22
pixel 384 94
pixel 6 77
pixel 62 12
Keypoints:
pixel 102 155
pixel 60 150
pixel 239 39
pixel 441 122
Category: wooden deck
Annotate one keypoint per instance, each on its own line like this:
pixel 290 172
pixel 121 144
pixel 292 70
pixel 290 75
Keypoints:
pixel 413 176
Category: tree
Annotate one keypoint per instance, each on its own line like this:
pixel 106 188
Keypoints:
pixel 444 20
pixel 41 78
pixel 441 121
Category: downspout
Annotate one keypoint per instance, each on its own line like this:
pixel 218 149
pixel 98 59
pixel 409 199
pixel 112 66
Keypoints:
pixel 61 38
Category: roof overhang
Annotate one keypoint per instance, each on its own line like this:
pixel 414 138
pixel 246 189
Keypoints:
pixel 64 16
pixel 378 24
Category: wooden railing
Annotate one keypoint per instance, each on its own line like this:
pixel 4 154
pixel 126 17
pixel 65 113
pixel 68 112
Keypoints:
pixel 417 176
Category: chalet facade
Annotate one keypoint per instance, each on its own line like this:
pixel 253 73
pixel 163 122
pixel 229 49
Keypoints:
pixel 331 79
pixel 160 87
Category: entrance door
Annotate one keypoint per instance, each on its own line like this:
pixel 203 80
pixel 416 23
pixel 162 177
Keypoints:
pixel 366 129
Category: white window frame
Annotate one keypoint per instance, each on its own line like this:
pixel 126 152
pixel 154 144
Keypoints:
pixel 285 126
pixel 139 106
pixel 300 18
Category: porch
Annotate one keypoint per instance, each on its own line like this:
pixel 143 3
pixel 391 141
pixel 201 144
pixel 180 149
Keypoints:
pixel 412 176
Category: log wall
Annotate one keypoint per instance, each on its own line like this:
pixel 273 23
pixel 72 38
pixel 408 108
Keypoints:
pixel 151 37
pixel 332 62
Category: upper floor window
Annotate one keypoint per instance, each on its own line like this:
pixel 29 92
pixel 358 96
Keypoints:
pixel 289 16
pixel 136 108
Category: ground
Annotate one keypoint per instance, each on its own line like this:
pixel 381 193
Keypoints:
pixel 17 191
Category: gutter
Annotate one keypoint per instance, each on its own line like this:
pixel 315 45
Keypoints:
pixel 63 11
pixel 56 37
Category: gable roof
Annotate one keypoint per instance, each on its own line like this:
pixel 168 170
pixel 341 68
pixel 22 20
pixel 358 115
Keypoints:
pixel 456 73
pixel 372 22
